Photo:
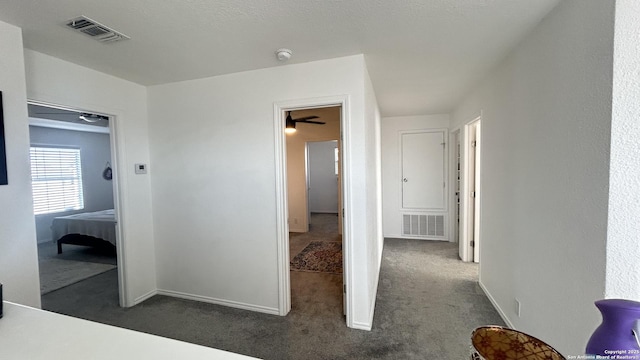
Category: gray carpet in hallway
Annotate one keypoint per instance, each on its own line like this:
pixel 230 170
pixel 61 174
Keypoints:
pixel 428 303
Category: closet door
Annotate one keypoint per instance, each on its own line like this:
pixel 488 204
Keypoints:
pixel 423 170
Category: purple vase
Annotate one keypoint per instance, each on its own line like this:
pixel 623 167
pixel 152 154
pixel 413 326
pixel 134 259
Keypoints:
pixel 616 333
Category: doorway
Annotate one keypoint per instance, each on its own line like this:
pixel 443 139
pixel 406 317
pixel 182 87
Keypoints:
pixel 313 173
pixel 75 203
pixel 457 176
pixel 323 178
pixel 291 217
pixel 470 193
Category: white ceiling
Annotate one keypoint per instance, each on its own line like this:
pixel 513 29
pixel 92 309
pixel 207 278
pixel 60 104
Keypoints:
pixel 422 55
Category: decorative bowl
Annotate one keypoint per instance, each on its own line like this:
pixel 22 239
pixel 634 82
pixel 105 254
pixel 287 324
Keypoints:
pixel 500 343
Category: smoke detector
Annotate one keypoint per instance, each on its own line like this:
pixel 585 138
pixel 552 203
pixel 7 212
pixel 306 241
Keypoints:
pixel 284 54
pixel 95 30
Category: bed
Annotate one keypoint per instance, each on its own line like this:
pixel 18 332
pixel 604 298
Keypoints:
pixel 96 229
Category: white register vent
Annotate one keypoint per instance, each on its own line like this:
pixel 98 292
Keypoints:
pixel 94 29
pixel 427 226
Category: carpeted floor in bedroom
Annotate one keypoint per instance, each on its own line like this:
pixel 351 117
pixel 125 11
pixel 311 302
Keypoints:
pixel 428 303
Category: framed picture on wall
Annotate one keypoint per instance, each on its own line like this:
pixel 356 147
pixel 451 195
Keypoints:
pixel 4 180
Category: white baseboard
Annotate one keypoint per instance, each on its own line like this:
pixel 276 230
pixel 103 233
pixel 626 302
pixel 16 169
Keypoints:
pixel 229 303
pixel 502 314
pixel 144 297
pixel 361 326
pixel 372 307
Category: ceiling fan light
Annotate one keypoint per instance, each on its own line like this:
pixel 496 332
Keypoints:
pixel 290 128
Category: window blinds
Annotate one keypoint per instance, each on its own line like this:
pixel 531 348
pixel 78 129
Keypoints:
pixel 56 178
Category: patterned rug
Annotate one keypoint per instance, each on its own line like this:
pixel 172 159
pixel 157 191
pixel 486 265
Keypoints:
pixel 319 256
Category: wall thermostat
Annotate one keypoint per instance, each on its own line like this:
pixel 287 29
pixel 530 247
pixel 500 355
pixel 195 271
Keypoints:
pixel 141 168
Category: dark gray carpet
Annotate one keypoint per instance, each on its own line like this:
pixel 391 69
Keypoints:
pixel 76 253
pixel 428 303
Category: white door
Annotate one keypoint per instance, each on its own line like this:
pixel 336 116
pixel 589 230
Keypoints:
pixel 423 177
pixel 476 190
pixel 470 229
pixel 458 193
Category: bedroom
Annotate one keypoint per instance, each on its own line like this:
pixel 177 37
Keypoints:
pixel 73 197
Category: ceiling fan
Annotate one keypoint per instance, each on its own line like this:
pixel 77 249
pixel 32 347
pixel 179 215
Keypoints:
pixel 91 118
pixel 73 116
pixel 291 122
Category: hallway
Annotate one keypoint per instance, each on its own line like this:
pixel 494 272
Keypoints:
pixel 427 305
pixel 316 293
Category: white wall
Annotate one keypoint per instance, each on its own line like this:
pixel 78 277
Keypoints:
pixel 296 161
pixel 546 113
pixel 623 249
pixel 391 164
pixel 213 156
pixel 18 255
pixel 323 180
pixel 55 81
pixel 95 152
pixel 372 169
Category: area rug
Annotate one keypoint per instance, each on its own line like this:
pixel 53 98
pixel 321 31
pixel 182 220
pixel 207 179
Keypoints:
pixel 56 273
pixel 319 256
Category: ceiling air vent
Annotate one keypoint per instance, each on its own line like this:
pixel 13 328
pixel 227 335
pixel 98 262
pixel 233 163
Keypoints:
pixel 95 30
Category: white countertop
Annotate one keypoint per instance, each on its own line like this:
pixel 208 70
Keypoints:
pixel 28 333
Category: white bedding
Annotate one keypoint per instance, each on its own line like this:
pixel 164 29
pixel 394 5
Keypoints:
pixel 100 224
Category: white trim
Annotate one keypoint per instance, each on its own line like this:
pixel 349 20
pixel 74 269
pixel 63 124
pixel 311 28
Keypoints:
pixel 478 200
pixel 496 306
pixel 64 125
pixel 369 325
pixel 282 213
pixel 465 192
pixel 117 152
pixel 307 180
pixel 361 325
pixel 210 300
pixel 145 297
pixel 282 234
pixel 452 182
pixel 307 176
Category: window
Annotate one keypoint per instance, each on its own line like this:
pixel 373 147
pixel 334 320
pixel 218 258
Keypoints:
pixel 56 178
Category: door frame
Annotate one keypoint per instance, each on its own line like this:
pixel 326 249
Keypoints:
pixel 282 212
pixel 117 196
pixel 466 252
pixel 308 176
pixel 455 138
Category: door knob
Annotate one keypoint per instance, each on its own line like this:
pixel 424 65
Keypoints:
pixel 405 180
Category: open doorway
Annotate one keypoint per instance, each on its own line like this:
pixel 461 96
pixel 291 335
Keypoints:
pixel 470 192
pixel 314 203
pixel 74 187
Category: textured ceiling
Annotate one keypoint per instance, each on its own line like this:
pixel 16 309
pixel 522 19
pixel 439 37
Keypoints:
pixel 422 55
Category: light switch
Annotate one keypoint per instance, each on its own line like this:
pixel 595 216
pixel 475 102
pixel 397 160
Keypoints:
pixel 141 168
